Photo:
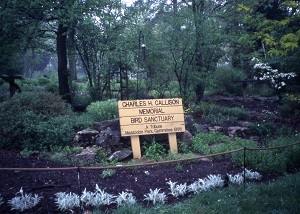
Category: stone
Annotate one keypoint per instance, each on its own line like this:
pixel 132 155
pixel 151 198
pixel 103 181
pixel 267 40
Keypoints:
pixel 190 124
pixel 87 155
pixel 108 137
pixel 120 155
pixel 215 128
pixel 237 131
pixel 85 137
pixel 102 126
pixel 186 137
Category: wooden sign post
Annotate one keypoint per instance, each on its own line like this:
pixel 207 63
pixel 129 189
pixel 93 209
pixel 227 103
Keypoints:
pixel 153 116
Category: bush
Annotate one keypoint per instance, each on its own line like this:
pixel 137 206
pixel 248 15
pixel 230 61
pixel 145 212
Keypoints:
pixel 290 106
pixel 276 160
pixel 219 115
pixel 201 142
pixel 35 121
pixel 223 81
pixel 103 110
pixel 154 151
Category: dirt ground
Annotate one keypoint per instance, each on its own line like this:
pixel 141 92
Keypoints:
pixel 137 180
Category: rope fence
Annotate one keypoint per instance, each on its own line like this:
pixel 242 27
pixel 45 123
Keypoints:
pixel 78 168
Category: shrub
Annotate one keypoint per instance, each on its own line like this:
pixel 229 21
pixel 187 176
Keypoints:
pixel 103 110
pixel 218 115
pixel 35 121
pixel 276 160
pixel 290 105
pixel 224 78
pixel 154 151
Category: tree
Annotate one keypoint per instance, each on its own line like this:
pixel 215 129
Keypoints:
pixel 274 26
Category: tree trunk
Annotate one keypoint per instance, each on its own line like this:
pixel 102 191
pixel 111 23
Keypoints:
pixel 63 74
pixel 198 13
pixel 72 55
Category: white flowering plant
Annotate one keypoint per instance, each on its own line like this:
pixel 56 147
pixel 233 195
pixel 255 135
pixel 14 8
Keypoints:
pixel 177 190
pixel 265 72
pixel 67 201
pixel 125 198
pixel 97 198
pixel 156 196
pixel 23 201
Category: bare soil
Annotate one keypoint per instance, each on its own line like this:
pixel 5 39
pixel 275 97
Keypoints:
pixel 137 180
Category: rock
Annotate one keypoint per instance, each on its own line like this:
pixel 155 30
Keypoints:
pixel 190 124
pixel 87 155
pixel 108 137
pixel 120 155
pixel 244 123
pixel 85 137
pixel 203 128
pixel 102 126
pixel 186 137
pixel 215 128
pixel 107 133
pixel 237 131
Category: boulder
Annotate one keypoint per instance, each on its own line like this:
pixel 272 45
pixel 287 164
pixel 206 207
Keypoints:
pixel 186 137
pixel 85 137
pixel 107 133
pixel 120 155
pixel 108 137
pixel 87 155
pixel 237 131
pixel 102 126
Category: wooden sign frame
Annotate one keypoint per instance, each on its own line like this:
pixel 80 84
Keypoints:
pixel 153 116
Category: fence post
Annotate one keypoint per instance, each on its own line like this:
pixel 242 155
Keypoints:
pixel 244 166
pixel 79 189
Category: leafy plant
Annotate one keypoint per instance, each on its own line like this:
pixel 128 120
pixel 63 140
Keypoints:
pixel 97 198
pixel 35 121
pixel 177 189
pixel 103 110
pixel 223 80
pixel 66 201
pixel 218 115
pixel 108 173
pixel 24 201
pixel 201 142
pixel 156 196
pixel 125 198
pixel 154 151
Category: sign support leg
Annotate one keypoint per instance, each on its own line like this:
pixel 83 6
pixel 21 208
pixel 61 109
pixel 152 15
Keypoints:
pixel 173 143
pixel 136 147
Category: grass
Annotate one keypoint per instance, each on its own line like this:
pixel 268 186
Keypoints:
pixel 280 196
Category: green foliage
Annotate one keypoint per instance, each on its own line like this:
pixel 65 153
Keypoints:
pixel 269 130
pixel 276 160
pixel 290 106
pixel 263 129
pixel 202 142
pixel 101 156
pixel 103 110
pixel 35 121
pixel 154 151
pixel 218 115
pixel 281 196
pixel 108 173
pixel 223 81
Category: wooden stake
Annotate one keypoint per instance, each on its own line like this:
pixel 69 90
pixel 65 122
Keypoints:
pixel 173 143
pixel 136 147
